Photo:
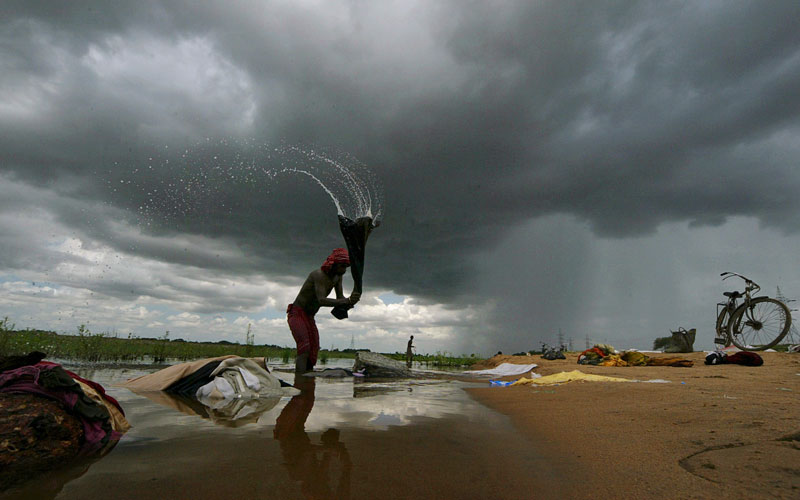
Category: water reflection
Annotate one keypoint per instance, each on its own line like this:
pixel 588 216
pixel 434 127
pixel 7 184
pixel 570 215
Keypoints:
pixel 312 465
pixel 329 441
pixel 365 390
pixel 47 485
pixel 234 412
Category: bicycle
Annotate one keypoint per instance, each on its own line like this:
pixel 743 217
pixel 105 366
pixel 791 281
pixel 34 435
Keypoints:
pixel 756 324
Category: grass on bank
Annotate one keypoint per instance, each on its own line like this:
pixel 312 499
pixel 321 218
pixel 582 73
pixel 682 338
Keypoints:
pixel 88 346
pixel 440 359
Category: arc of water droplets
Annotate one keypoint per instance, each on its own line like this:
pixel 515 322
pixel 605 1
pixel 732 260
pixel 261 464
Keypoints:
pixel 355 191
pixel 333 197
pixel 362 195
pixel 358 188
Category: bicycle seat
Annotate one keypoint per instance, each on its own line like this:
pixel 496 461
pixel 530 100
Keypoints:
pixel 733 295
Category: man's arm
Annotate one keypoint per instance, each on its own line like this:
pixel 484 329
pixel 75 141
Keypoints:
pixel 355 296
pixel 322 296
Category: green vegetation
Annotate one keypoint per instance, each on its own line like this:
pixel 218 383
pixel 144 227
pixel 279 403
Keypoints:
pixel 105 347
pixel 5 335
pixel 86 345
pixel 440 359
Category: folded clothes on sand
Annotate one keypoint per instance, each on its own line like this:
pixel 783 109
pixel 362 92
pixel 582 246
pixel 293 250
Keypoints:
pixel 504 370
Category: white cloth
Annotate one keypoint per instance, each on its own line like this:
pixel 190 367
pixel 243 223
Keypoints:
pixel 504 370
pixel 241 378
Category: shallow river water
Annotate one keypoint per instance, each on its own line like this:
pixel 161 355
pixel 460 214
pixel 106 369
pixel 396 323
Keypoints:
pixel 340 438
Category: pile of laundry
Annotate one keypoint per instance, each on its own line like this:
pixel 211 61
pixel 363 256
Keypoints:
pixel 101 416
pixel 606 355
pixel 50 416
pixel 230 390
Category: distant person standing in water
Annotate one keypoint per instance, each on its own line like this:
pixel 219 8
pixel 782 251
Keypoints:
pixel 410 352
pixel 313 295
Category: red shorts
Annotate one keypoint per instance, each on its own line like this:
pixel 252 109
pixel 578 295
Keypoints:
pixel 304 330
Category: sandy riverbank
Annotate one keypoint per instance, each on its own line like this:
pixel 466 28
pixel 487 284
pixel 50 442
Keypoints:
pixel 714 431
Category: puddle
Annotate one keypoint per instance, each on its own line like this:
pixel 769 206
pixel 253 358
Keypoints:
pixel 340 438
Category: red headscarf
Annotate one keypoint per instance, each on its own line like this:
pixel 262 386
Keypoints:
pixel 338 256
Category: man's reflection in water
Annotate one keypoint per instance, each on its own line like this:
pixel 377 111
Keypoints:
pixel 309 463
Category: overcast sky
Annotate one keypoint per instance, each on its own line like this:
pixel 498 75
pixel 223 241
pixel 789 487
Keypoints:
pixel 583 167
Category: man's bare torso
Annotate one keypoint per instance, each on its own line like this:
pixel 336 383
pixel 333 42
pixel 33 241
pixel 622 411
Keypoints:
pixel 307 297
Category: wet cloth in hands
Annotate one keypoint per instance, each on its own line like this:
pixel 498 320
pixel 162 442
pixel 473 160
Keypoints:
pixel 355 233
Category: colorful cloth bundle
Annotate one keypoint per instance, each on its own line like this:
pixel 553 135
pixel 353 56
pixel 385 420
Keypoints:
pixel 101 416
pixel 606 355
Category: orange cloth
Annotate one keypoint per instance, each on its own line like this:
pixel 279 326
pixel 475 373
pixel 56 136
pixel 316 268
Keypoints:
pixel 669 362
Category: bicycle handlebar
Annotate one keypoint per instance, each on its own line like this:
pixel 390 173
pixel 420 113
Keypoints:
pixel 750 284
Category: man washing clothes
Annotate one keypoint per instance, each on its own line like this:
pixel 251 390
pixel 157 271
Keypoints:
pixel 313 295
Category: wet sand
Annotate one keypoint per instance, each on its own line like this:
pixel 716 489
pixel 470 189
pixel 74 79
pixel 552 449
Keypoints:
pixel 715 431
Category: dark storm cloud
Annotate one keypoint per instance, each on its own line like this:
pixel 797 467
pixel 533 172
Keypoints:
pixel 476 116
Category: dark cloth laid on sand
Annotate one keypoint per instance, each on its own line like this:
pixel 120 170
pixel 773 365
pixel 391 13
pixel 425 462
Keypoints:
pixel 737 358
pixel 744 358
pixel 304 330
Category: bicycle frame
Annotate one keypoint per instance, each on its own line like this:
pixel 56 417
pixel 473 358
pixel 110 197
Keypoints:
pixel 755 323
pixel 731 304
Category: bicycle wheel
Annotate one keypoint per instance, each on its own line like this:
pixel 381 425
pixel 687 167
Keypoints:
pixel 759 325
pixel 722 330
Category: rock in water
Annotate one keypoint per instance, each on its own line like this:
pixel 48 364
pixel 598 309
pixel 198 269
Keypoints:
pixel 379 366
